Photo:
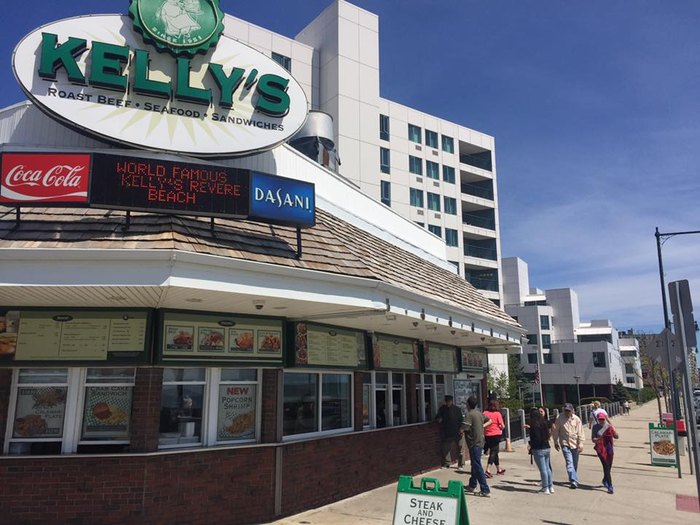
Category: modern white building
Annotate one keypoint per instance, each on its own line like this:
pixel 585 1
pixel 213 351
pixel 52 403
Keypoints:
pixel 574 357
pixel 437 173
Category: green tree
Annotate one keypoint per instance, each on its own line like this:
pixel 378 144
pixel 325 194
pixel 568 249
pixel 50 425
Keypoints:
pixel 619 392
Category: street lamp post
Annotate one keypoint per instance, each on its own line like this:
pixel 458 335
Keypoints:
pixel 578 391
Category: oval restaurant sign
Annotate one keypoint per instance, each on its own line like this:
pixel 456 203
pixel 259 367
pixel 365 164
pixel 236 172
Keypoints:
pixel 167 80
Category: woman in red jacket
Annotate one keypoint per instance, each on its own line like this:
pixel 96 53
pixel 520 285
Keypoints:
pixel 603 436
pixel 493 434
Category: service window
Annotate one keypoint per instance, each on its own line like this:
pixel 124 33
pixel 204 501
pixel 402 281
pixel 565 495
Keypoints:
pixel 39 410
pixel 182 407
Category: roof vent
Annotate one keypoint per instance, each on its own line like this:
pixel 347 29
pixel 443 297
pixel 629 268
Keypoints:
pixel 315 140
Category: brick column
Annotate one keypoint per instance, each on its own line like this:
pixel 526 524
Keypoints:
pixel 145 412
pixel 5 387
pixel 358 409
pixel 271 391
pixel 411 398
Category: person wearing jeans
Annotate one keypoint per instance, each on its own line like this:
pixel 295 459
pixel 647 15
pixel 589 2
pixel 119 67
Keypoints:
pixel 540 450
pixel 473 427
pixel 567 433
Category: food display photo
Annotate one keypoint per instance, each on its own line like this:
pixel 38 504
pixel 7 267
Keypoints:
pixel 241 340
pixel 40 412
pixel 107 412
pixel 236 412
pixel 210 340
pixel 179 338
pixel 269 341
pixel 9 324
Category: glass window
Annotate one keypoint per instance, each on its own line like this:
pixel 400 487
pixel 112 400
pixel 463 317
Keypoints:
pixel 532 358
pixel 386 192
pixel 629 379
pixel 416 198
pixel 437 230
pixel 415 165
pixel 308 409
pixel 629 369
pixel 433 201
pixel 544 322
pixel 431 139
pixel 547 359
pixel 236 405
pixel 414 134
pixel 532 339
pixel 432 170
pixel 384 161
pixel 283 61
pixel 107 406
pixel 181 407
pixel 546 341
pixel 384 127
pixel 599 359
pixel 448 144
pixel 450 205
pixel 567 357
pixel 448 174
pixel 451 237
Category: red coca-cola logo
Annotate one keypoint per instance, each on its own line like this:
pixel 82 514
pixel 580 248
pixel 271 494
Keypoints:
pixel 44 178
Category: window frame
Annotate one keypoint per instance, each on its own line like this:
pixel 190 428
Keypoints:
pixel 435 230
pixel 384 132
pixel 384 163
pixel 565 358
pixel 429 142
pixel 432 170
pixel 415 134
pixel 434 202
pixel 452 208
pixel 282 60
pixel 385 192
pixel 596 362
pixel 414 161
pixel 450 232
pixel 444 143
pixel 415 192
pixel 448 174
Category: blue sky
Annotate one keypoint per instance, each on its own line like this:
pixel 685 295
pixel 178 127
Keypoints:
pixel 595 110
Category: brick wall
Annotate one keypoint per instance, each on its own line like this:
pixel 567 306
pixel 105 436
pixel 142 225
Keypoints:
pixel 146 409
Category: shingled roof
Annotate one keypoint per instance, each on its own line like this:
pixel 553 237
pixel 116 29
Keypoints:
pixel 333 246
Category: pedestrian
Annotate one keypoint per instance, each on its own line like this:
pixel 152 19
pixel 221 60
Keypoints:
pixel 474 424
pixel 603 435
pixel 567 433
pixel 450 418
pixel 540 449
pixel 626 406
pixel 492 436
pixel 596 409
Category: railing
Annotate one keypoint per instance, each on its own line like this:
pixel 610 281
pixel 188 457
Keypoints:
pixel 478 221
pixel 480 252
pixel 477 191
pixel 478 161
pixel 490 285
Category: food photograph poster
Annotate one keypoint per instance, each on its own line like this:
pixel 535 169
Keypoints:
pixel 40 412
pixel 107 412
pixel 236 412
pixel 663 449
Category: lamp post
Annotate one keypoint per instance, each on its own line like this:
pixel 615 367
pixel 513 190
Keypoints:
pixel 578 391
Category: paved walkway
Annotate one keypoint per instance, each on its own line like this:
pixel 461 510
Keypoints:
pixel 643 494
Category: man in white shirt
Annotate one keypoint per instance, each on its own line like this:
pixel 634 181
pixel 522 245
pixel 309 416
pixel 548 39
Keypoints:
pixel 567 434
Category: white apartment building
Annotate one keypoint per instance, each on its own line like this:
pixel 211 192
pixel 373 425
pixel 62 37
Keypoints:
pixel 437 173
pixel 574 357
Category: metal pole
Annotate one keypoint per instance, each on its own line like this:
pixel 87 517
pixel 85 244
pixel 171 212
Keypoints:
pixel 578 391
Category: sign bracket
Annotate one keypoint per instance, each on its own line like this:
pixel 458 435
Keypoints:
pixel 212 226
pixel 127 224
pixel 18 216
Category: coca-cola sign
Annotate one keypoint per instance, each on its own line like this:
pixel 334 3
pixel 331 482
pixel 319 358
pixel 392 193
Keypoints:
pixel 30 178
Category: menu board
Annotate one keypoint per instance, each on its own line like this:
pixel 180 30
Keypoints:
pixel 206 336
pixel 236 412
pixel 72 335
pixel 107 412
pixel 395 354
pixel 40 412
pixel 439 358
pixel 325 346
pixel 474 360
pixel 663 447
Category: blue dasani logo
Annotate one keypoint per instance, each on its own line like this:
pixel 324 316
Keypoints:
pixel 281 200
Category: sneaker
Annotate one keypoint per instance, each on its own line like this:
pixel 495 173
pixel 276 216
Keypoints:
pixel 501 472
pixel 488 474
pixel 469 489
pixel 551 489
pixel 611 490
pixel 574 485
pixel 544 491
pixel 484 494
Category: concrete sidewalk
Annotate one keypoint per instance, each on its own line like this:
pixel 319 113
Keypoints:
pixel 643 494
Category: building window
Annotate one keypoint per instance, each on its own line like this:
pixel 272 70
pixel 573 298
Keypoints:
pixel 629 369
pixel 417 198
pixel 451 237
pixel 567 358
pixel 283 61
pixel 532 339
pixel 421 224
pixel 433 201
pixel 384 127
pixel 630 379
pixel 431 139
pixel 547 359
pixel 415 165
pixel 316 403
pixel 384 161
pixel 414 134
pixel 599 359
pixel 628 353
pixel 451 205
pixel 448 174
pixel 182 401
pixel 544 322
pixel 386 193
pixel 432 170
pixel 532 358
pixel 437 230
pixel 448 144
pixel 546 341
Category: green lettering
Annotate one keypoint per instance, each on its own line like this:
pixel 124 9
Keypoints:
pixel 106 66
pixel 227 84
pixel 273 99
pixel 184 91
pixel 142 84
pixel 55 57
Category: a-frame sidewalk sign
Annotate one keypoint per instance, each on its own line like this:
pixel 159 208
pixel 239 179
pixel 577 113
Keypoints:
pixel 430 504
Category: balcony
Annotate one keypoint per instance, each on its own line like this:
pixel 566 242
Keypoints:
pixel 480 252
pixel 478 160
pixel 483 283
pixel 476 190
pixel 479 221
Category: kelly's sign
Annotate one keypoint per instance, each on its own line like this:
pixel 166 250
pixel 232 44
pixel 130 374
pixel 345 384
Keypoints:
pixel 209 95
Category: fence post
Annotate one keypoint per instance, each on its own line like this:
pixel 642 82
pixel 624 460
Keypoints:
pixel 506 419
pixel 521 413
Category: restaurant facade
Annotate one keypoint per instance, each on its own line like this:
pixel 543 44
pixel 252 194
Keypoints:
pixel 200 324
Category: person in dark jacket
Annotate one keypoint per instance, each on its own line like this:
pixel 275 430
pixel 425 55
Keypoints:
pixel 540 449
pixel 474 424
pixel 450 418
